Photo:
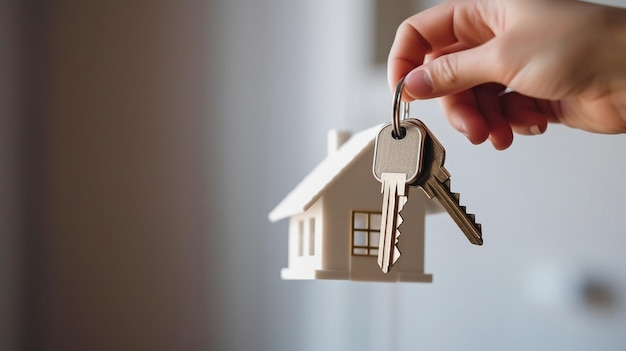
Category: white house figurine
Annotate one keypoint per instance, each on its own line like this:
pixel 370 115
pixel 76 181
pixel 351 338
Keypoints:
pixel 335 213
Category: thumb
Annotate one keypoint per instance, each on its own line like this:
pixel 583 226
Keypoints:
pixel 452 73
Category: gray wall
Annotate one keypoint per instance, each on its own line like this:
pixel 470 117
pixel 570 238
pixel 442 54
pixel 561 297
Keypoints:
pixel 10 174
pixel 115 228
pixel 140 161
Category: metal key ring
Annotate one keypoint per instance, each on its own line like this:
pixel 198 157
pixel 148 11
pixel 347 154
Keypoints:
pixel 398 105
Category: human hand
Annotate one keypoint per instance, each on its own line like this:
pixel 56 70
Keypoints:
pixel 561 60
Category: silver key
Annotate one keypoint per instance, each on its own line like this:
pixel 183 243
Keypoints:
pixel 397 163
pixel 435 181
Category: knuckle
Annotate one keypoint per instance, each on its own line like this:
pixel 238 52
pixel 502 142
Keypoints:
pixel 500 58
pixel 445 72
pixel 407 31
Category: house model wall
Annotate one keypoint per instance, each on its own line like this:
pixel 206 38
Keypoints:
pixel 335 215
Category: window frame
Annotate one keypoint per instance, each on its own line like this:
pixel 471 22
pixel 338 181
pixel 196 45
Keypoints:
pixel 369 249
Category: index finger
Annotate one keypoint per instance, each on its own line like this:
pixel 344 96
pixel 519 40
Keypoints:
pixel 434 30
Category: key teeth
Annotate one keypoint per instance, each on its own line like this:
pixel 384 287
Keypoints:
pixel 446 183
pixel 396 251
pixel 400 220
pixel 396 255
pixel 478 226
pixel 457 198
pixel 403 201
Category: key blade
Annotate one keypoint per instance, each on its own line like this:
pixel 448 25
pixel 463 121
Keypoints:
pixel 389 203
pixel 394 190
pixel 435 182
pixel 449 201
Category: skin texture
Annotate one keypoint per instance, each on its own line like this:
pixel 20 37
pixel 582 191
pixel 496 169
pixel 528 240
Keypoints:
pixel 504 66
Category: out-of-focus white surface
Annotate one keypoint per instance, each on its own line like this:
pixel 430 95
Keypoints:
pixel 551 207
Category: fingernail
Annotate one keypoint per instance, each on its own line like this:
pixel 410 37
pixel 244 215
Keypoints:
pixel 418 83
pixel 534 130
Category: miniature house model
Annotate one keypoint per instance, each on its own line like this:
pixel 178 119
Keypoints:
pixel 335 216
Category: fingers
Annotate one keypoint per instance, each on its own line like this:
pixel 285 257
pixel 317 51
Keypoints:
pixel 436 30
pixel 488 101
pixel 526 115
pixel 477 114
pixel 485 113
pixel 452 73
pixel 416 37
pixel 463 115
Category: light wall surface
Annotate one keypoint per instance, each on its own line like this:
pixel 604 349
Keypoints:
pixel 552 234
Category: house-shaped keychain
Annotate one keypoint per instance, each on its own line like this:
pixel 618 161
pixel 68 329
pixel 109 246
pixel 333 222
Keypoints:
pixel 335 215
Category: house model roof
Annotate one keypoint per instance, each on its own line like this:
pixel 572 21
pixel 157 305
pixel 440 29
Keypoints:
pixel 315 183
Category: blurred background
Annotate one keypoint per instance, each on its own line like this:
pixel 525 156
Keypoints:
pixel 142 145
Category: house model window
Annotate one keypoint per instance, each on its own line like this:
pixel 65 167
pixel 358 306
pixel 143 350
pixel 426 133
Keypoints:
pixel 365 233
pixel 306 237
